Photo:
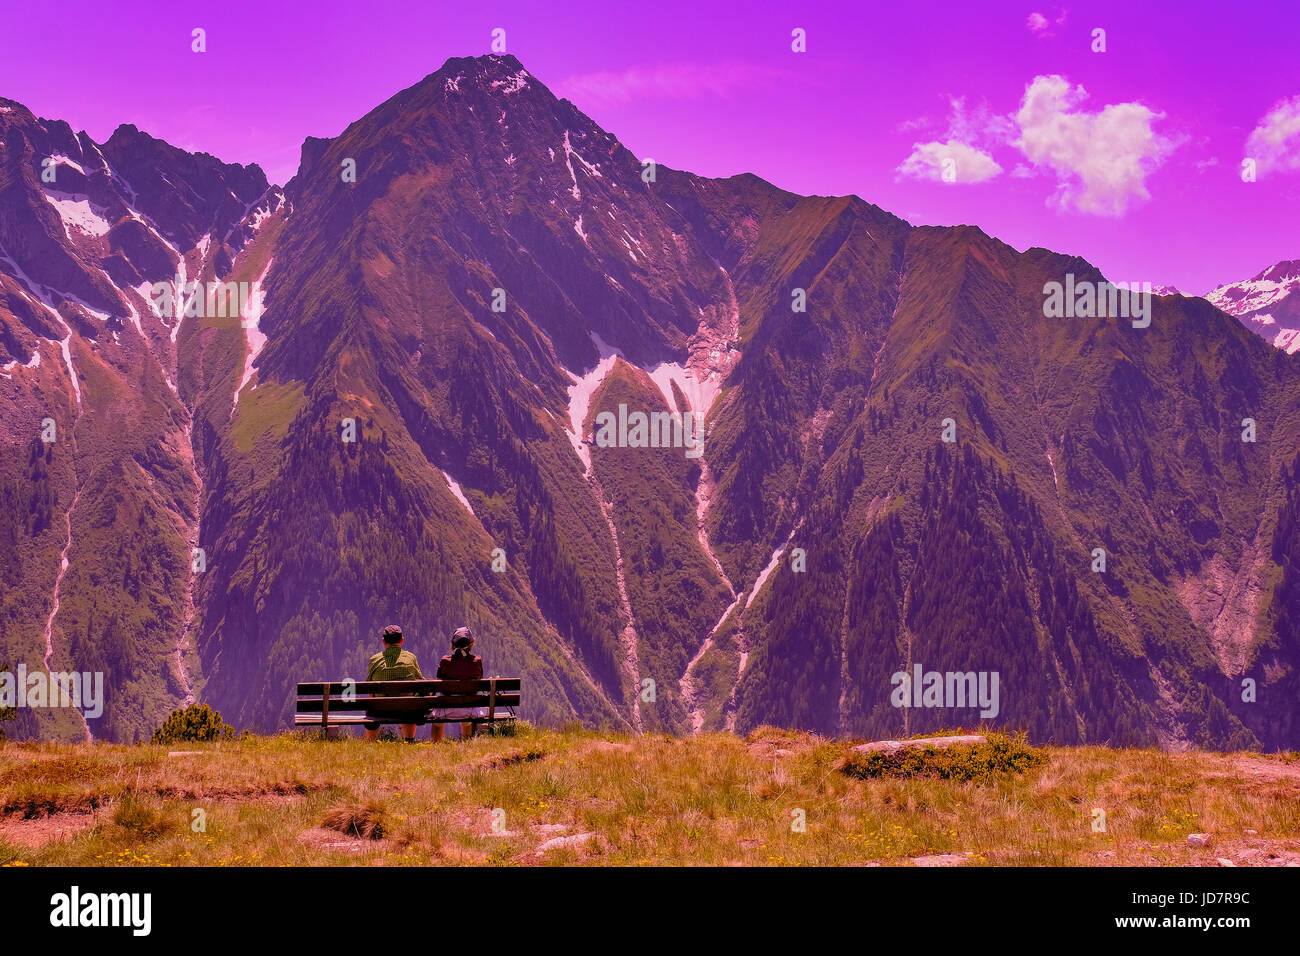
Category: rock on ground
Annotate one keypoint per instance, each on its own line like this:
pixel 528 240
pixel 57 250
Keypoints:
pixel 940 743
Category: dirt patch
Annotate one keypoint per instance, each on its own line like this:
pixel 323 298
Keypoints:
pixel 940 859
pixel 35 806
pixel 510 759
pixel 1263 768
pixel 233 793
pixel 35 832
pixel 1257 774
pixel 321 838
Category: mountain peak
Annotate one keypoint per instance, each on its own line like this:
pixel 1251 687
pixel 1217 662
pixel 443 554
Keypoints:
pixel 1281 272
pixel 489 72
pixel 11 111
pixel 500 62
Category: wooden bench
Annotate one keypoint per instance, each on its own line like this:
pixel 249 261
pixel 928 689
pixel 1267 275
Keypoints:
pixel 347 703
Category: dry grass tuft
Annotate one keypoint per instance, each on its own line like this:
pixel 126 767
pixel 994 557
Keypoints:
pixel 366 820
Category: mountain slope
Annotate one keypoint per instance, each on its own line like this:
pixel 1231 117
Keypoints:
pixel 501 275
pixel 101 519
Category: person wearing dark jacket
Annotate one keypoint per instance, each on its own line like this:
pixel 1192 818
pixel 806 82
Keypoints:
pixel 461 664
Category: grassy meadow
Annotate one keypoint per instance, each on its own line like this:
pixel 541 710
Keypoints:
pixel 547 797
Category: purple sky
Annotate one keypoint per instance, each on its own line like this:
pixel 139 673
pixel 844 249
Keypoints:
pixel 1142 177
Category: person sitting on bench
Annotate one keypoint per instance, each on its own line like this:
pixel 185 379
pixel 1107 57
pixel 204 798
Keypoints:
pixel 393 663
pixel 461 664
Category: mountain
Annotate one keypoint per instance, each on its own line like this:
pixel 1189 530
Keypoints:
pixel 500 281
pixel 1265 304
pixel 98 522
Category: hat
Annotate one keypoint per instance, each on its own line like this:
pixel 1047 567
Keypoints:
pixel 392 634
pixel 463 637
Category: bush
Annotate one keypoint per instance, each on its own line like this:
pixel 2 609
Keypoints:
pixel 197 723
pixel 1002 754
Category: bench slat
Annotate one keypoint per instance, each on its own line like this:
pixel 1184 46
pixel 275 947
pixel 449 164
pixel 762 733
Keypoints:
pixel 317 705
pixel 318 688
pixel 339 720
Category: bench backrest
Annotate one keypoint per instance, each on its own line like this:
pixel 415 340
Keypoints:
pixel 370 696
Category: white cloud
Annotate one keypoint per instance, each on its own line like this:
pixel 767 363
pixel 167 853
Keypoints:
pixel 978 125
pixel 1275 143
pixel 1101 160
pixel 967 164
pixel 1041 26
pixel 970 137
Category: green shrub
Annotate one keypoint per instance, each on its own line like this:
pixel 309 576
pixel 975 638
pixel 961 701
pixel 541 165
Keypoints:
pixel 195 724
pixel 1000 755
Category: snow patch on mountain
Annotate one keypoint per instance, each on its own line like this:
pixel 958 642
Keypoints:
pixel 42 294
pixel 513 84
pixel 765 574
pixel 569 155
pixel 580 393
pixel 77 213
pixel 134 314
pixel 61 160
pixel 1260 292
pixel 700 393
pixel 711 354
pixel 178 297
pixel 254 337
pixel 35 362
pixel 145 291
pixel 456 490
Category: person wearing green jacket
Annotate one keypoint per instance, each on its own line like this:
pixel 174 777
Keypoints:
pixel 392 663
